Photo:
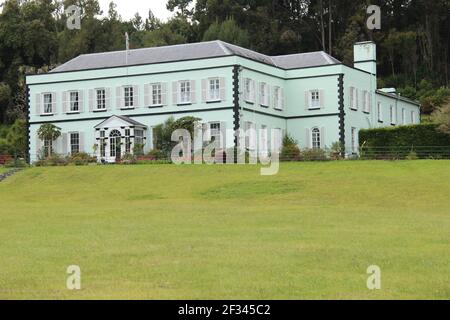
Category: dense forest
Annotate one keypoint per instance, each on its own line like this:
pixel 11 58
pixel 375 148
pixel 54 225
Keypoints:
pixel 413 43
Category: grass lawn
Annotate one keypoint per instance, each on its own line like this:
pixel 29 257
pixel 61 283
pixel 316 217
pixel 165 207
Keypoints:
pixel 3 169
pixel 225 232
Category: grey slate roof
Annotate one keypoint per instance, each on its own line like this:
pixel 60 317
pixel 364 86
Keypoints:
pixel 191 51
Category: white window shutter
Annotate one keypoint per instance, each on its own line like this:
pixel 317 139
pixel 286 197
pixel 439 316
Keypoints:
pixel 193 100
pixel 351 98
pixel 136 97
pixel 54 104
pixel 322 99
pixel 223 90
pixel 357 99
pixel 247 92
pixel 38 104
pixel 64 144
pixel 39 145
pixel 119 91
pixel 108 98
pixel 268 95
pixel 64 101
pixel 164 93
pixel 81 141
pixel 310 99
pixel 91 100
pixel 370 102
pixel 282 98
pixel 308 139
pixel 81 101
pixel 204 90
pixel 307 99
pixel 322 138
pixel 175 92
pixel 253 91
pixel 147 94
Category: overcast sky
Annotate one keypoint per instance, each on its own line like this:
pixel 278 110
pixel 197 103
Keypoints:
pixel 127 8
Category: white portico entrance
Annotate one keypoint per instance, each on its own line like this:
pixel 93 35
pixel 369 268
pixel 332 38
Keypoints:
pixel 118 136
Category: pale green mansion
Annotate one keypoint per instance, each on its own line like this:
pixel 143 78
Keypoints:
pixel 106 103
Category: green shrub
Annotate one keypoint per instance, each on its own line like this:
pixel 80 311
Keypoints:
pixel 52 161
pixel 157 155
pixel 290 150
pixel 412 156
pixel 81 159
pixel 398 142
pixel 314 155
pixel 128 158
pixel 18 163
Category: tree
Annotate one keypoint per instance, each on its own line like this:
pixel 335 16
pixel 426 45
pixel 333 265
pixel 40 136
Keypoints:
pixel 164 132
pixel 17 138
pixel 49 132
pixel 227 31
pixel 442 117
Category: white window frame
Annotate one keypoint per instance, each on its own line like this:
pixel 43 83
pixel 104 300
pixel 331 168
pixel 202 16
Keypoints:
pixel 249 90
pixel 392 115
pixel 184 92
pixel 139 136
pixel 413 117
pixel 403 116
pixel 128 97
pixel 264 94
pixel 156 94
pixel 213 89
pixel 48 147
pixel 100 99
pixel 74 102
pixel 314 98
pixel 102 144
pixel 316 138
pixel 77 144
pixel 366 101
pixel 46 104
pixel 380 112
pixel 354 98
pixel 278 98
pixel 354 138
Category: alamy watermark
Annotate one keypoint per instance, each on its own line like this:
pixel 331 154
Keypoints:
pixel 374 280
pixel 374 19
pixel 73 13
pixel 73 281
pixel 252 148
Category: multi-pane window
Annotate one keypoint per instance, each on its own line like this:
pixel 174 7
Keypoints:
pixel 391 114
pixel 264 140
pixel 156 90
pixel 214 89
pixel 354 139
pixel 185 92
pixel 278 98
pixel 264 94
pixel 315 99
pixel 102 144
pixel 379 112
pixel 74 143
pixel 249 94
pixel 101 99
pixel 48 147
pixel 127 141
pixel 366 101
pixel 74 101
pixel 139 137
pixel 316 138
pixel 215 131
pixel 353 98
pixel 129 97
pixel 48 103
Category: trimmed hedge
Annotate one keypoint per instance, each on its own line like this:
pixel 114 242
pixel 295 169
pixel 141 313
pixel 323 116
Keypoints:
pixel 398 142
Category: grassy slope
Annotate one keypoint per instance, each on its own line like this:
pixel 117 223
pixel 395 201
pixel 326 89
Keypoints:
pixel 166 232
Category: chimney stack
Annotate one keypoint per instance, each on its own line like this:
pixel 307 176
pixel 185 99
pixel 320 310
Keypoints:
pixel 365 56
